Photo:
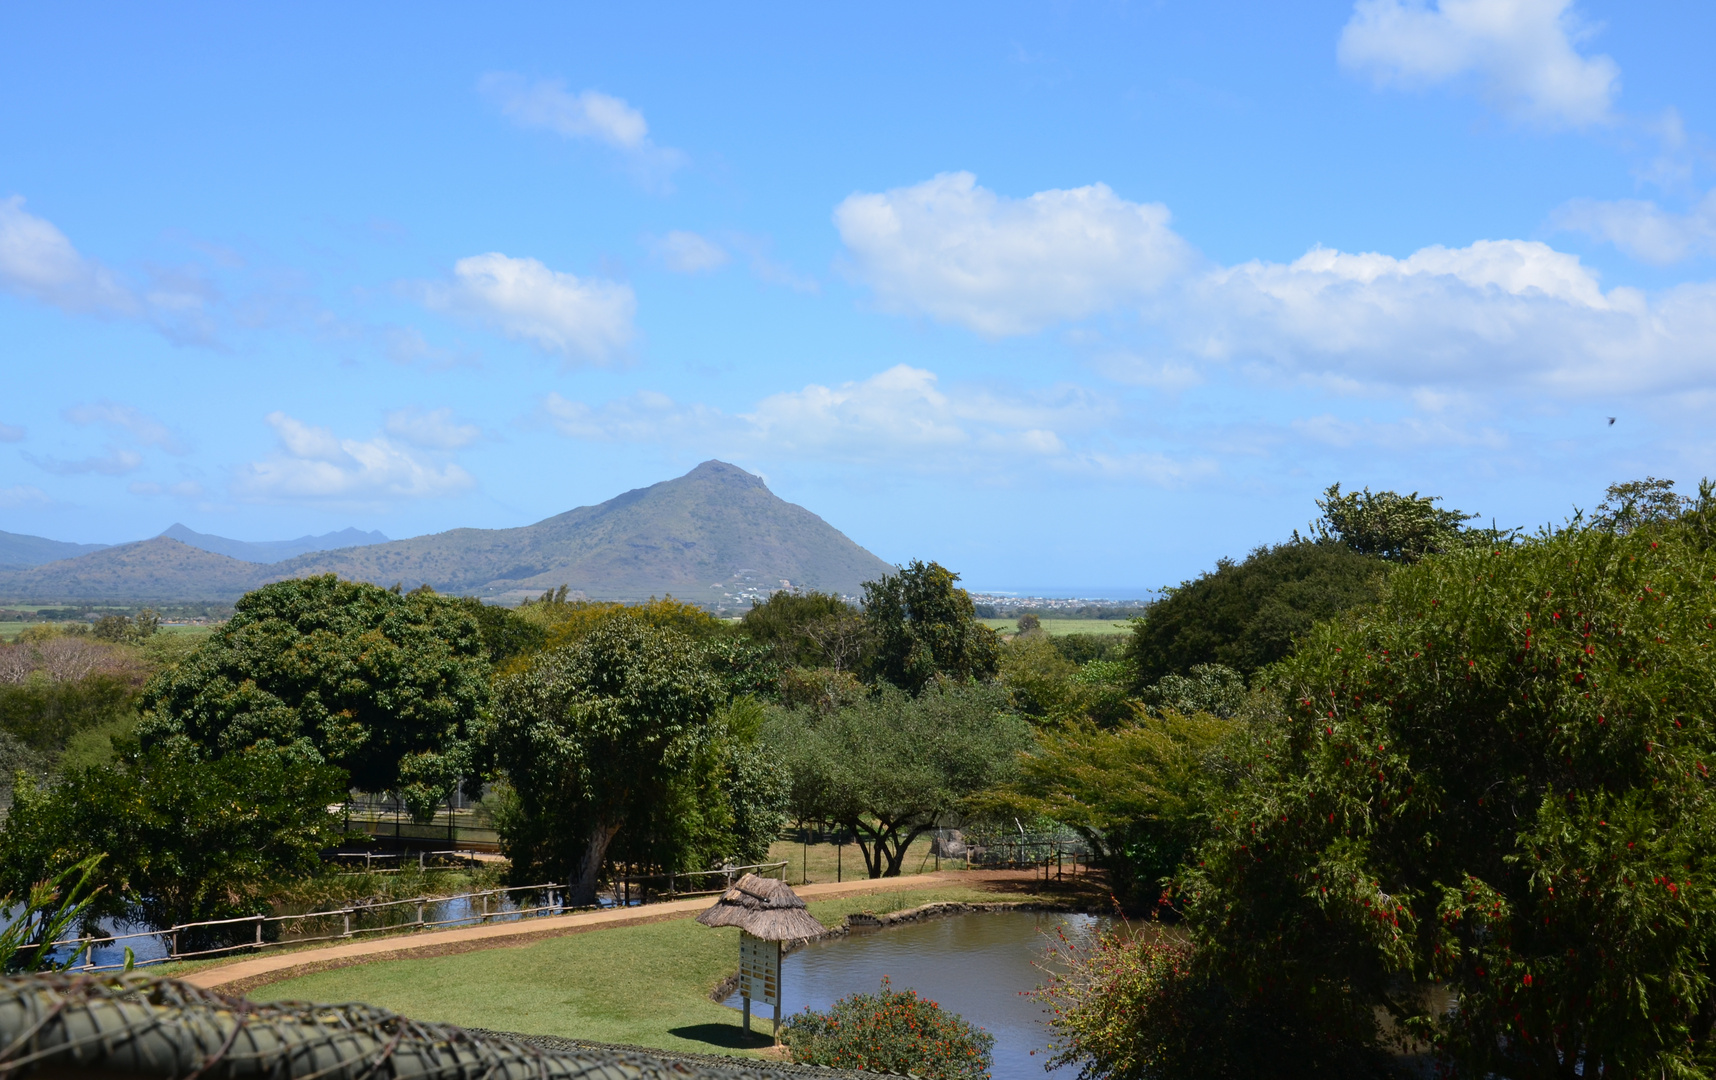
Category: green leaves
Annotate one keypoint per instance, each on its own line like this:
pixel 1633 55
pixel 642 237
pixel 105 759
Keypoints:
pixel 922 626
pixel 382 685
pixel 1498 777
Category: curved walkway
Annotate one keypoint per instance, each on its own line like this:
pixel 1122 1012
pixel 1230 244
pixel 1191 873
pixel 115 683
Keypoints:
pixel 264 969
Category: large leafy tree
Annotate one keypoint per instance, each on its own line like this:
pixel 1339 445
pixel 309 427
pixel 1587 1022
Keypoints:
pixel 1135 792
pixel 922 625
pixel 808 629
pixel 594 737
pixel 890 766
pixel 181 836
pixel 1246 615
pixel 1498 779
pixel 381 685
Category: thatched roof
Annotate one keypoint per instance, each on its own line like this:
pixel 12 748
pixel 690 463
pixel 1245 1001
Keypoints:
pixel 763 907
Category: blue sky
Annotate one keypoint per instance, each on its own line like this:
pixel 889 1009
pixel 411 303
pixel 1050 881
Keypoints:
pixel 1075 295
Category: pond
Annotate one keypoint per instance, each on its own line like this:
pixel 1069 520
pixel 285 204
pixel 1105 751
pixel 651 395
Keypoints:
pixel 976 965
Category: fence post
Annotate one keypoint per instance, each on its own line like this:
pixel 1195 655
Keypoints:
pixel 348 917
pixel 259 919
pixel 419 914
pixel 173 943
pixel 485 907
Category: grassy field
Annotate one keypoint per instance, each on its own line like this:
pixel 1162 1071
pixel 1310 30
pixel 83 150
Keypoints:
pixel 643 985
pixel 10 630
pixel 1058 627
pixel 825 863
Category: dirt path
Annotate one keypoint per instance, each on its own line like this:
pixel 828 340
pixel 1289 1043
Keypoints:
pixel 244 975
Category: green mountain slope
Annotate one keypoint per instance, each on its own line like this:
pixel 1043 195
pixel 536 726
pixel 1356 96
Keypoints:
pixel 161 570
pixel 714 535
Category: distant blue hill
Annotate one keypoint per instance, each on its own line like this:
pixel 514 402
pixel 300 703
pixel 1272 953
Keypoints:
pixel 267 551
pixel 18 550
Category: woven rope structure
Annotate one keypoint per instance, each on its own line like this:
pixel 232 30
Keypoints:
pixel 132 1026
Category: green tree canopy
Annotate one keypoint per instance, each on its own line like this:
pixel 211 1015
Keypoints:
pixel 922 625
pixel 1498 779
pixel 1388 525
pixel 1135 792
pixel 381 685
pixel 889 766
pixel 183 837
pixel 805 629
pixel 1246 615
pixel 593 736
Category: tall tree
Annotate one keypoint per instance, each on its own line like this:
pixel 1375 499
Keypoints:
pixel 1388 525
pixel 381 685
pixel 593 735
pixel 890 766
pixel 1246 615
pixel 923 625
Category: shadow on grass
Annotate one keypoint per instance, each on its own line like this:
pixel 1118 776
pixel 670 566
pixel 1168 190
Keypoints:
pixel 726 1036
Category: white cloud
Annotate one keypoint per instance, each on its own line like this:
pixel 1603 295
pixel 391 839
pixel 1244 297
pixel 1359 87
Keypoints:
pixel 116 462
pixel 576 318
pixel 587 114
pixel 116 417
pixel 689 253
pixel 11 433
pixel 23 495
pixel 314 463
pixel 1491 314
pixel 433 430
pixel 959 253
pixel 1522 54
pixel 1643 229
pixel 37 261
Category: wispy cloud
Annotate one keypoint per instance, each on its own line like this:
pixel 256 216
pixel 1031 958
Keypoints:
pixel 11 433
pixel 1522 55
pixel 432 430
pixel 312 463
pixel 39 262
pixel 689 253
pixel 577 319
pixel 1643 229
pixel 585 114
pixel 24 495
pixel 142 427
pixel 184 489
pixel 902 418
pixel 117 461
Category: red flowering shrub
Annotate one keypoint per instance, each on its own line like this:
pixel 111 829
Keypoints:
pixel 895 1031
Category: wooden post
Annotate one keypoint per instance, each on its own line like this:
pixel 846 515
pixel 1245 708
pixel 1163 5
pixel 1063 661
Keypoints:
pixel 747 1014
pixel 777 1032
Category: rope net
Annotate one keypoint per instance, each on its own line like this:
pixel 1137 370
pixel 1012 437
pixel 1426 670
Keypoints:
pixel 62 1024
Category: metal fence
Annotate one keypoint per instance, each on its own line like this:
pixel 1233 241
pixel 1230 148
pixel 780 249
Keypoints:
pixel 278 931
pixel 624 884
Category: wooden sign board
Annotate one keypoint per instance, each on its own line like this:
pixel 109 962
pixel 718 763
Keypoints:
pixel 760 969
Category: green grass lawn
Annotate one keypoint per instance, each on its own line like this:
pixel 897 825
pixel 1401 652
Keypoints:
pixel 1057 627
pixel 643 985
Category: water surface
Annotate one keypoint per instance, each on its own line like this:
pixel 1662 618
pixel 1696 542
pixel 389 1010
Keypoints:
pixel 975 965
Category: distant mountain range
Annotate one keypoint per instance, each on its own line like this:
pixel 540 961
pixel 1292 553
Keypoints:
pixel 272 551
pixel 715 536
pixel 18 551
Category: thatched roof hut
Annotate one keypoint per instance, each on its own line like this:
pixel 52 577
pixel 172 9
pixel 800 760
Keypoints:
pixel 765 908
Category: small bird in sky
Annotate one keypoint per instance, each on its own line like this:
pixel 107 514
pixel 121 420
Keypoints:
pixel 1611 421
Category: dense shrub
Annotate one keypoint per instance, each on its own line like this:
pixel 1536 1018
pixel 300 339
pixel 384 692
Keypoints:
pixel 1140 1006
pixel 923 627
pixel 894 1031
pixel 1497 779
